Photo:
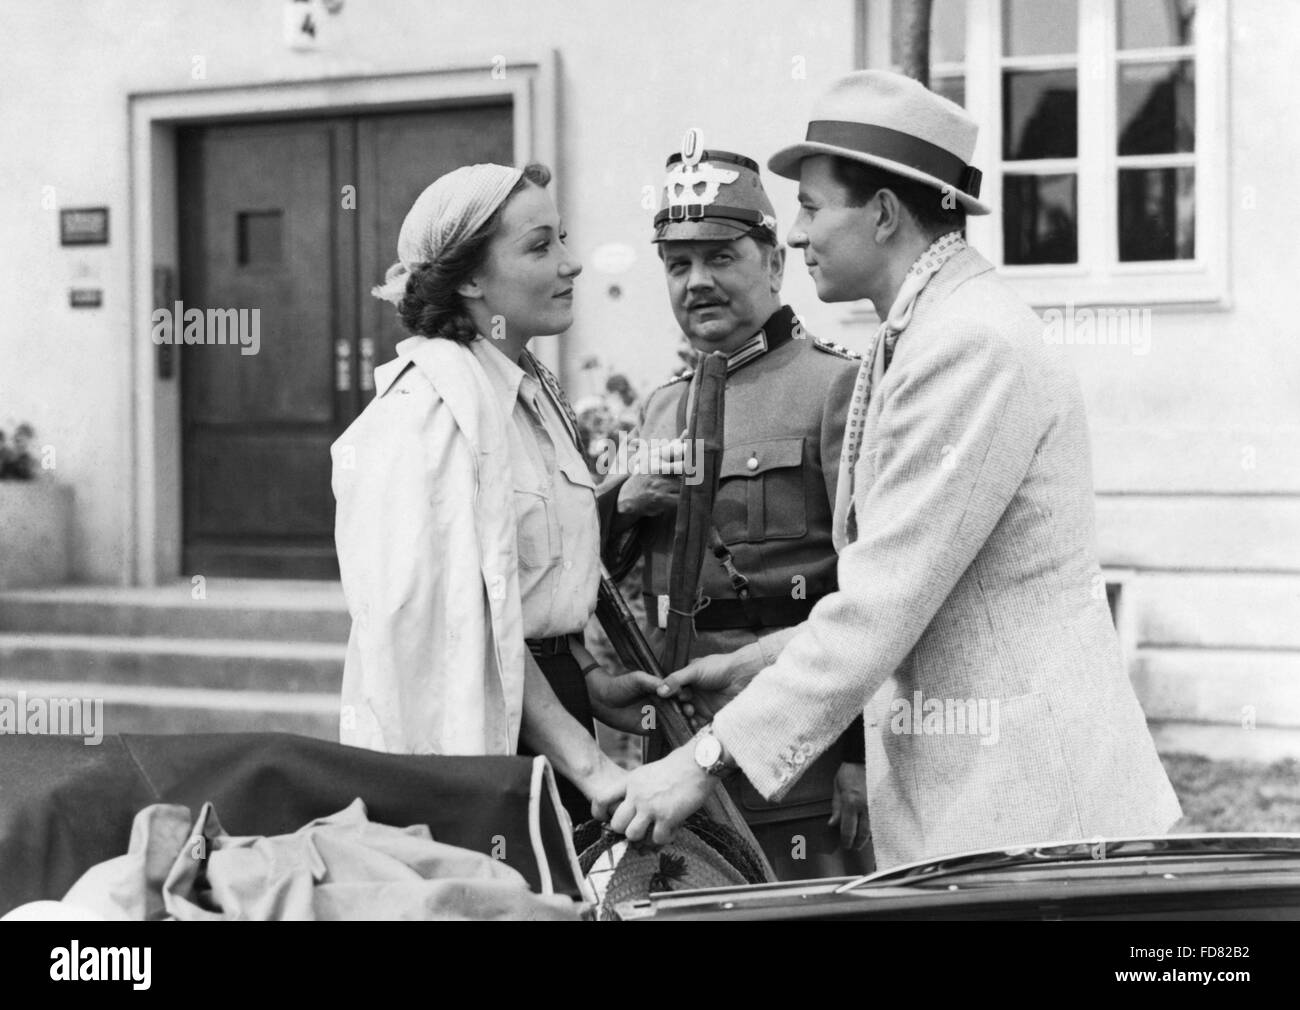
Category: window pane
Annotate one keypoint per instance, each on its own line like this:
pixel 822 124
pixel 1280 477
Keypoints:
pixel 1145 24
pixel 1157 214
pixel 1040 111
pixel 1157 108
pixel 1034 28
pixel 1039 219
pixel 947 31
pixel 952 88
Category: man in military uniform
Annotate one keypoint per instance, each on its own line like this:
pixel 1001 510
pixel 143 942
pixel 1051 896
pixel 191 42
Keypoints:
pixel 787 396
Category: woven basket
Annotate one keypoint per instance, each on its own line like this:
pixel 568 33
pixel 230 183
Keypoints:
pixel 704 853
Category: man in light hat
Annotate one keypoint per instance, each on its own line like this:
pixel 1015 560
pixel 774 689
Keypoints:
pixel 971 615
pixel 786 401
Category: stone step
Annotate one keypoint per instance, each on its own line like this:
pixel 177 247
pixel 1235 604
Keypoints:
pixel 228 608
pixel 230 665
pixel 123 708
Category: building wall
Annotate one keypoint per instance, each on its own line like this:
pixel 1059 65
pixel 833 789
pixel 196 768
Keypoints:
pixel 633 77
pixel 1197 446
pixel 1197 467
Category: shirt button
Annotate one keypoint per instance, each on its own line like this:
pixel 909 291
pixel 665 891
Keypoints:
pixel 753 463
pixel 568 565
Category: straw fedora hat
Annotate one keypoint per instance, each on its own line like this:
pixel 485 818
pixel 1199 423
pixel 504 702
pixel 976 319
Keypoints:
pixel 896 124
pixel 704 853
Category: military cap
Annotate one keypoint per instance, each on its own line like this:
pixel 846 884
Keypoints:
pixel 712 195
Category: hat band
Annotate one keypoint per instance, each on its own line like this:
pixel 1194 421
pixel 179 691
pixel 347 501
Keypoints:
pixel 894 145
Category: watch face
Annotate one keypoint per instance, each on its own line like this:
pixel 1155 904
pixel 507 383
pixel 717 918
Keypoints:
pixel 707 752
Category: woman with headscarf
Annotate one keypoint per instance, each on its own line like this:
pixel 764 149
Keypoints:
pixel 466 526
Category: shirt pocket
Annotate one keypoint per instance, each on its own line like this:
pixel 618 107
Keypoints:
pixel 761 493
pixel 577 473
pixel 534 516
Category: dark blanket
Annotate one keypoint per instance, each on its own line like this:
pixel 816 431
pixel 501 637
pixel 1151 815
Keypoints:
pixel 65 806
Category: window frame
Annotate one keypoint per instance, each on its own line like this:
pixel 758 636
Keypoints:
pixel 1098 278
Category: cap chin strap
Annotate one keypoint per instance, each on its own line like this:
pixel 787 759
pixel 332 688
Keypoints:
pixel 697 212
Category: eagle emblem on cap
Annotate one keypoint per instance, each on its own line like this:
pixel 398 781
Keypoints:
pixel 697 185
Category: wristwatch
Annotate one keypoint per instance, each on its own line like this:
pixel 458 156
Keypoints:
pixel 709 754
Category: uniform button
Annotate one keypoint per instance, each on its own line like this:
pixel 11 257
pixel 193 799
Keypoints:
pixel 753 463
pixel 568 565
pixel 800 757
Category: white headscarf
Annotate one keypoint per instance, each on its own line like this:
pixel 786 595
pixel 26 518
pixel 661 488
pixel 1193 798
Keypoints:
pixel 452 208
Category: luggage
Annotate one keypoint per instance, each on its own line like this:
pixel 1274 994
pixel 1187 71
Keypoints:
pixel 65 806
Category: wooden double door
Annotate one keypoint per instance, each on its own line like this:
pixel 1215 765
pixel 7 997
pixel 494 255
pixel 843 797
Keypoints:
pixel 295 221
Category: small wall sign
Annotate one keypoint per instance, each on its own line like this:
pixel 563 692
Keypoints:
pixel 86 298
pixel 83 226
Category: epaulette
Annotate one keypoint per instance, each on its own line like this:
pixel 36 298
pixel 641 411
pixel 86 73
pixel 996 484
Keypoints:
pixel 839 350
pixel 684 377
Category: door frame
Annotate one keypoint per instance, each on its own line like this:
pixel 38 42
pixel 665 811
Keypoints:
pixel 153 520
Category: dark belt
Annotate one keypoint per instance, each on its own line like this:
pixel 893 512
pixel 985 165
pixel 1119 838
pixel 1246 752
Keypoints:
pixel 756 612
pixel 556 646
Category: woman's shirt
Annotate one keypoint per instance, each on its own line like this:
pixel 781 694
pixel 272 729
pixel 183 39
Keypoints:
pixel 554 500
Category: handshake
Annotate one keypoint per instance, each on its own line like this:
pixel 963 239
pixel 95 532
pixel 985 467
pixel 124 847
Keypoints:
pixel 701 687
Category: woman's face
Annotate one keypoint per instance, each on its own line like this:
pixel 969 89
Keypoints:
pixel 526 282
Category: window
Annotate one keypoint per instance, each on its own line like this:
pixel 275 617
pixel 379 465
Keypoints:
pixel 1102 139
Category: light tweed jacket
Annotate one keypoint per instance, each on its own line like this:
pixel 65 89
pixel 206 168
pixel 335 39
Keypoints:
pixel 973 580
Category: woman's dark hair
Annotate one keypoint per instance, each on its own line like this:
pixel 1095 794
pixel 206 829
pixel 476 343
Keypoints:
pixel 924 203
pixel 431 306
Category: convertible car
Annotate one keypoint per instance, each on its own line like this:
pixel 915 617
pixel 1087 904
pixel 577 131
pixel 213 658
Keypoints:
pixel 65 807
pixel 1193 877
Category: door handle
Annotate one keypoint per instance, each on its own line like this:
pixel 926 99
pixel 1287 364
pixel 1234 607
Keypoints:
pixel 367 364
pixel 342 366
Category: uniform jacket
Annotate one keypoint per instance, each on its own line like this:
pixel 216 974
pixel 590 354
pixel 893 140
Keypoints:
pixel 426 535
pixel 973 579
pixel 782 428
pixel 783 425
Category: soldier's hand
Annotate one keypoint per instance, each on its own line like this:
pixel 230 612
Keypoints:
pixel 655 484
pixel 849 805
pixel 618 701
pixel 648 495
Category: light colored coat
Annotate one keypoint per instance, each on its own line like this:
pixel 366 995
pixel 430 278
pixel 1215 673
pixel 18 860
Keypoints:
pixel 426 536
pixel 973 578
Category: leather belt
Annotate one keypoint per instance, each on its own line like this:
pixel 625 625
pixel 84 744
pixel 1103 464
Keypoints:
pixel 756 612
pixel 557 646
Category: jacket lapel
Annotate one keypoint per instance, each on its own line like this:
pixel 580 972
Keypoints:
pixel 962 267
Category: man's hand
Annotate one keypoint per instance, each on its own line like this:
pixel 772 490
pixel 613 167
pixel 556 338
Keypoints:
pixel 618 701
pixel 707 684
pixel 661 795
pixel 655 484
pixel 849 805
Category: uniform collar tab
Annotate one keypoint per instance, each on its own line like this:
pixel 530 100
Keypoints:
pixel 779 329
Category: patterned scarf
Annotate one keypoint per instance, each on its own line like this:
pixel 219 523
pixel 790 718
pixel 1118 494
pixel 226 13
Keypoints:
pixel 844 529
pixel 552 386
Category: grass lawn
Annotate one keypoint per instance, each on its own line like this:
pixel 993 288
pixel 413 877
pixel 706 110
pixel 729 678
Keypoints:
pixel 1235 795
